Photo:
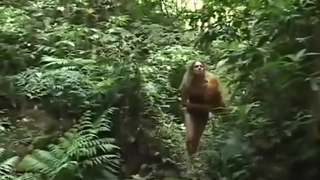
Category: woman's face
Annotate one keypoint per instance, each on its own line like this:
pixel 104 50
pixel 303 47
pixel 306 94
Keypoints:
pixel 198 68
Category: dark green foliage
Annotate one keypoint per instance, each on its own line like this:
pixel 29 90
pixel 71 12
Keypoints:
pixel 74 57
pixel 78 149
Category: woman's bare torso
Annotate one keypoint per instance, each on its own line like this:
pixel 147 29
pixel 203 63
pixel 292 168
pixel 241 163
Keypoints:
pixel 197 96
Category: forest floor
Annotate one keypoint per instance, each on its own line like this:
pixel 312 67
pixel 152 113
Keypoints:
pixel 19 130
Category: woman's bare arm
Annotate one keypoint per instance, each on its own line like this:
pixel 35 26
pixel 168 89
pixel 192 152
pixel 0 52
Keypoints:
pixel 184 96
pixel 212 94
pixel 186 103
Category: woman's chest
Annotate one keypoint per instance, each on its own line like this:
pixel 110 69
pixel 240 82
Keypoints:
pixel 203 92
pixel 197 94
pixel 197 90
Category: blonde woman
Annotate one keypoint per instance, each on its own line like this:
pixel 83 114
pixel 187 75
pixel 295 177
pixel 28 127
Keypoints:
pixel 199 95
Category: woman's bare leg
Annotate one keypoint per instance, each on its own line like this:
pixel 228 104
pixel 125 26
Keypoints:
pixel 190 133
pixel 194 131
pixel 199 129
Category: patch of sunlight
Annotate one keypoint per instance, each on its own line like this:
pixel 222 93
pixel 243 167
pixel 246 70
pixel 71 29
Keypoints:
pixel 193 4
pixel 178 5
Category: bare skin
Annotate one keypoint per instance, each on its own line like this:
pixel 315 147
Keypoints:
pixel 207 87
pixel 193 134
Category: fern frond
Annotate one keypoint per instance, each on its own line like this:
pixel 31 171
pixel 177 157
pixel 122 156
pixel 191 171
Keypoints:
pixel 45 160
pixel 2 151
pixel 80 146
pixel 9 164
pixel 50 61
pixel 56 150
pixel 28 176
pixel 99 160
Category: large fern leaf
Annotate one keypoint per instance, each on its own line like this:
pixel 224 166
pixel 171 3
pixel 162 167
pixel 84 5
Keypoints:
pixel 79 148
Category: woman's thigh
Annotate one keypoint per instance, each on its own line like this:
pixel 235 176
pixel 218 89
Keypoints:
pixel 195 125
pixel 199 127
pixel 190 126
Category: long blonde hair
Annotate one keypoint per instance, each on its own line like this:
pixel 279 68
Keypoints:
pixel 188 75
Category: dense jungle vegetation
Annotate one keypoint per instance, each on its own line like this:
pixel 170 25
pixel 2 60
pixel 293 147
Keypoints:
pixel 89 89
